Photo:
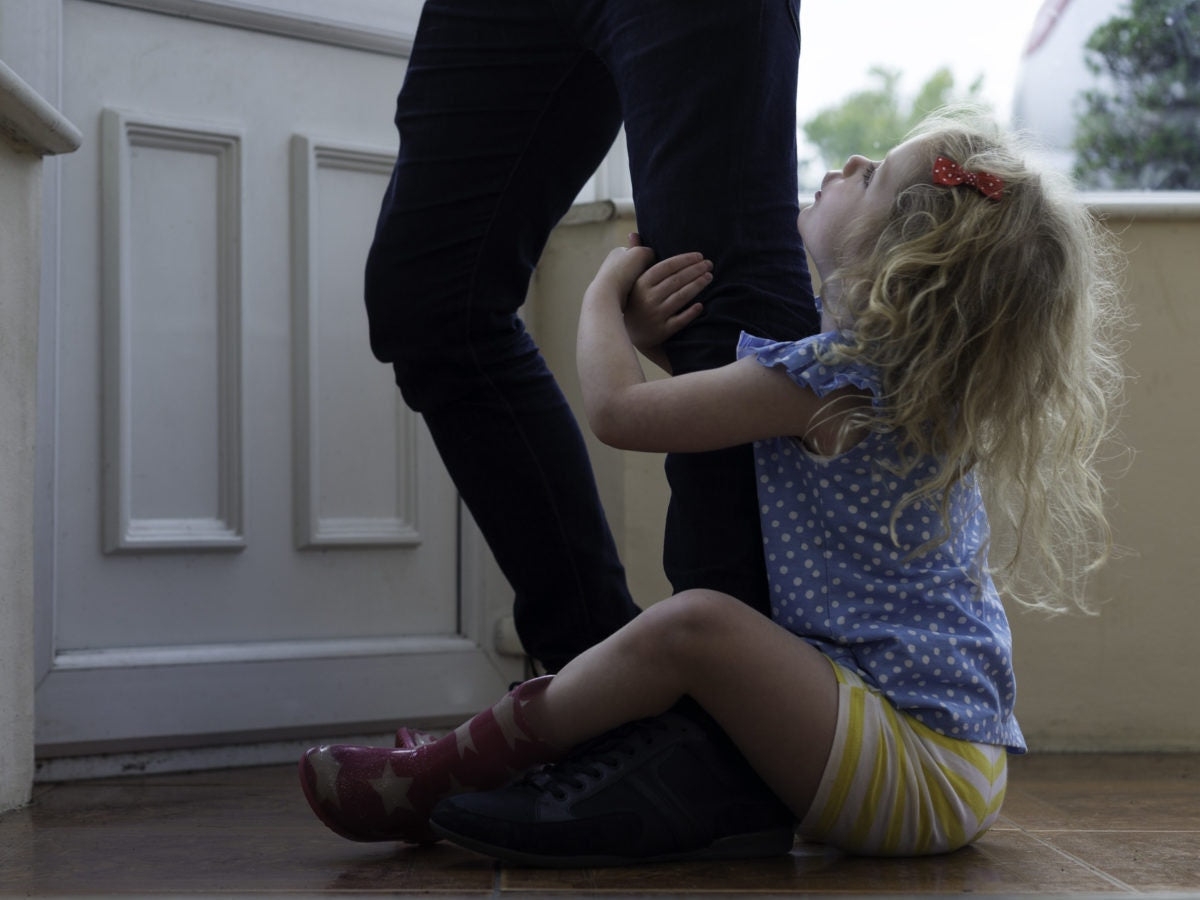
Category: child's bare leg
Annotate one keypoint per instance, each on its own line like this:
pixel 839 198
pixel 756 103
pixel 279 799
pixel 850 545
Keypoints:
pixel 773 693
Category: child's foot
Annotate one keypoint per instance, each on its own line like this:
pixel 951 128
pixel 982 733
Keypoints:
pixel 370 793
pixel 384 794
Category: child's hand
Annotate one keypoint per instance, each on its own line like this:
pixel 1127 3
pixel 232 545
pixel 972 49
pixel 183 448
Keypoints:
pixel 621 270
pixel 660 301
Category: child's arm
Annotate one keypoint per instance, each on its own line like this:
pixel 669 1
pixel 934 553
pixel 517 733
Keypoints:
pixel 660 302
pixel 708 410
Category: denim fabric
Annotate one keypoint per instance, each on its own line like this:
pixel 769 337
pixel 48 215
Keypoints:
pixel 506 110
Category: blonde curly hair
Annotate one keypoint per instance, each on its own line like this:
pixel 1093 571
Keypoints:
pixel 994 326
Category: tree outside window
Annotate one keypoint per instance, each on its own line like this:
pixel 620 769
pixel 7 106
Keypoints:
pixel 1109 88
pixel 874 120
pixel 1140 127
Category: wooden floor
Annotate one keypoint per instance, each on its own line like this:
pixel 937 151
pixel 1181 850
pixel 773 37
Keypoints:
pixel 1073 825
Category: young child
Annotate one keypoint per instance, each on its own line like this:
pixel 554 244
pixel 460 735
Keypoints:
pixel 964 370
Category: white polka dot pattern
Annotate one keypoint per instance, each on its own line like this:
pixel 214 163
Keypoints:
pixel 927 629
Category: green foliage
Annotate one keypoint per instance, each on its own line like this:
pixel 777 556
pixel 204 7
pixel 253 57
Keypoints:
pixel 873 121
pixel 1140 129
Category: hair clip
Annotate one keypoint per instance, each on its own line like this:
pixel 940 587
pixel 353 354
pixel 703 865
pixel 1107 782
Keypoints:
pixel 948 172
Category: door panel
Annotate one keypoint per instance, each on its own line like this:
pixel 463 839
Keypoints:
pixel 251 534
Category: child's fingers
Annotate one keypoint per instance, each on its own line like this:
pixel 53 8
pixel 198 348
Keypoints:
pixel 672 265
pixel 688 292
pixel 685 316
pixel 678 321
pixel 671 274
pixel 682 286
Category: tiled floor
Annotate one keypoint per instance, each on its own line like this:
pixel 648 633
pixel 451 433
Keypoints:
pixel 1073 825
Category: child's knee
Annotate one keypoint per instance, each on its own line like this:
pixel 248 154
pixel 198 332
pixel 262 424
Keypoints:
pixel 689 621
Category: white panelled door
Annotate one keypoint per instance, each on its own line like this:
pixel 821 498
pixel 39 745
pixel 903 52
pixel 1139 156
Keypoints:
pixel 249 535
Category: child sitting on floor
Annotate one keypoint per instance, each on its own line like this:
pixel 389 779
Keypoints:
pixel 962 380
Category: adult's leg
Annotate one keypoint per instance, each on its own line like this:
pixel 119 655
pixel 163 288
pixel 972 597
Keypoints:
pixel 502 118
pixel 709 96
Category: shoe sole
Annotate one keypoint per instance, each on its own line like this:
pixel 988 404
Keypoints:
pixel 752 845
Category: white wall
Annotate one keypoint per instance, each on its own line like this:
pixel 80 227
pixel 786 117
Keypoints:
pixel 29 129
pixel 19 180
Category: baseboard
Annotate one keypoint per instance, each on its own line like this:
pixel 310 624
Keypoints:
pixel 192 759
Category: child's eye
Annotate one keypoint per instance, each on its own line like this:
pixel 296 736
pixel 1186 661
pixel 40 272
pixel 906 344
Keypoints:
pixel 868 174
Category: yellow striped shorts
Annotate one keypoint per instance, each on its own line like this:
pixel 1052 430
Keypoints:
pixel 894 787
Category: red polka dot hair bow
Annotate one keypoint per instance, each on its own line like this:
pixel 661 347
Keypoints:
pixel 948 172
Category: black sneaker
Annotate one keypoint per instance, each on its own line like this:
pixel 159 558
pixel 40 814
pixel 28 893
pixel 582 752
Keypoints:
pixel 669 788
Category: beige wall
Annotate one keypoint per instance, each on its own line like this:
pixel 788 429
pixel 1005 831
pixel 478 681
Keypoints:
pixel 1121 681
pixel 1125 679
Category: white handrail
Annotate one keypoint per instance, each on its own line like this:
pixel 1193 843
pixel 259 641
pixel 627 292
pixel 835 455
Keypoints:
pixel 28 121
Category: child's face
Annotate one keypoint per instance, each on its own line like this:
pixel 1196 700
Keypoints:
pixel 862 190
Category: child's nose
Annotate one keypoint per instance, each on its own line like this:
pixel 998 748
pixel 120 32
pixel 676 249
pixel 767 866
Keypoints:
pixel 854 163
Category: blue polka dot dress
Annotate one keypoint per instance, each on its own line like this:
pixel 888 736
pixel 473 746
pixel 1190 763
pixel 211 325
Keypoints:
pixel 929 631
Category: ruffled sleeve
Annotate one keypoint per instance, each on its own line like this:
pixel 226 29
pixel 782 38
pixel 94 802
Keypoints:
pixel 802 361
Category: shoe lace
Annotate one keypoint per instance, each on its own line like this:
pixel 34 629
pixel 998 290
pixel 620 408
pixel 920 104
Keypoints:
pixel 590 759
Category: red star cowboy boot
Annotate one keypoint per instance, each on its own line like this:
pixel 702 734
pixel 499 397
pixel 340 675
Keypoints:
pixel 385 794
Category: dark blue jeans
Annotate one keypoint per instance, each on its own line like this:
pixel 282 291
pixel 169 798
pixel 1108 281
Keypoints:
pixel 507 108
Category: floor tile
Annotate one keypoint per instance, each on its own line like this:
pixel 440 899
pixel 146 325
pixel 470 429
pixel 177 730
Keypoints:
pixel 1135 792
pixel 1147 861
pixel 1002 863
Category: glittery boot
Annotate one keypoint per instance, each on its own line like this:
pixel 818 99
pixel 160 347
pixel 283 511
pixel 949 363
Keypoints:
pixel 385 794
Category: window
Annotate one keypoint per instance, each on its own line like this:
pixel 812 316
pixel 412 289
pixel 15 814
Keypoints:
pixel 1111 88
